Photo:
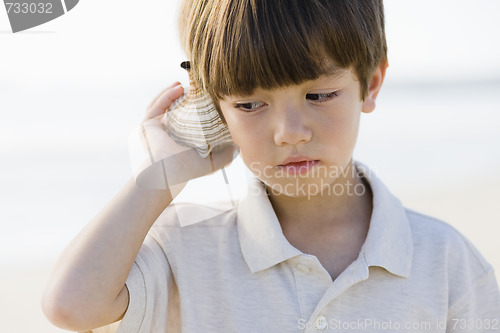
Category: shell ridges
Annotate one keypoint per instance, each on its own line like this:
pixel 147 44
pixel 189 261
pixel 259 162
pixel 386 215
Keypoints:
pixel 193 121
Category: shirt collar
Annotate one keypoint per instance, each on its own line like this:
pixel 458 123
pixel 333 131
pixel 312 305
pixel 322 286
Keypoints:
pixel 389 243
pixel 262 240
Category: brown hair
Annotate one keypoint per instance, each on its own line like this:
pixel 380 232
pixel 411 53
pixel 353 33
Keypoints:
pixel 236 46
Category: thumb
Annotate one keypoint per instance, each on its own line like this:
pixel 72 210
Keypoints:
pixel 163 102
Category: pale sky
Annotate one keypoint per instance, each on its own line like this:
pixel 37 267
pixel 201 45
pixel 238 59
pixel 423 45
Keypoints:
pixel 103 42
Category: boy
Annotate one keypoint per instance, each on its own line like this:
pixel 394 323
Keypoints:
pixel 318 243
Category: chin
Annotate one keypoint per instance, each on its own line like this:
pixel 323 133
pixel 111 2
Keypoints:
pixel 299 187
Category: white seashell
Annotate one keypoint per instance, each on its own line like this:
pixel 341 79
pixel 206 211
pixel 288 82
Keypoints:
pixel 193 121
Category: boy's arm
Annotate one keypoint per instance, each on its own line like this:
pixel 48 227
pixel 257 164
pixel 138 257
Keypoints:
pixel 87 288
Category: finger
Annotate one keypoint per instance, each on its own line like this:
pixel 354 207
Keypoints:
pixel 158 96
pixel 164 101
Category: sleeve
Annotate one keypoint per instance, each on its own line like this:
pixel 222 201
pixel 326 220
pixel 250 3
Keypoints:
pixel 152 290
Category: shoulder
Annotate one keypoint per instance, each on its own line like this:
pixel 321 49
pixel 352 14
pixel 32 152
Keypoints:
pixel 428 228
pixel 433 233
pixel 443 249
pixel 446 256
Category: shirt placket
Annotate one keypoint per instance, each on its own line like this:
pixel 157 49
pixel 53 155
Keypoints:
pixel 316 290
pixel 312 281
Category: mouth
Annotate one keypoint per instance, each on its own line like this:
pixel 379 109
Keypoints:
pixel 298 165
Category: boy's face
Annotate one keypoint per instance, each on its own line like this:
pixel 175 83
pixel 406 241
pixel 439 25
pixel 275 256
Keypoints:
pixel 298 139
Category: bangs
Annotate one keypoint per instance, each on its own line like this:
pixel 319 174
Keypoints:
pixel 266 44
pixel 240 45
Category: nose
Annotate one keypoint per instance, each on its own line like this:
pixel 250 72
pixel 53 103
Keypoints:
pixel 291 127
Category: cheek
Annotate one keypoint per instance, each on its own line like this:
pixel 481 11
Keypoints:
pixel 339 131
pixel 242 130
pixel 236 131
pixel 349 115
pixel 231 124
pixel 249 142
pixel 254 151
pixel 345 132
pixel 243 135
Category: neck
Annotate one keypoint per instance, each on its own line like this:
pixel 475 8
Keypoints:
pixel 332 208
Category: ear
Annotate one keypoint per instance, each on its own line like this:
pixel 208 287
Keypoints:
pixel 374 86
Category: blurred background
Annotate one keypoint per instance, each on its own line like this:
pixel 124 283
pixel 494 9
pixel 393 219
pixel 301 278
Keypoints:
pixel 73 89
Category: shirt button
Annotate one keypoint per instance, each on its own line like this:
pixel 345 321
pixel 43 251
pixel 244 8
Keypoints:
pixel 321 323
pixel 303 268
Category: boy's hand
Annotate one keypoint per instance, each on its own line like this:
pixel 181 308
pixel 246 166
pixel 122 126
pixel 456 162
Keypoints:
pixel 162 102
pixel 158 161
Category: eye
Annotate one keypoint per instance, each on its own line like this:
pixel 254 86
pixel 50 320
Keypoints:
pixel 322 97
pixel 249 106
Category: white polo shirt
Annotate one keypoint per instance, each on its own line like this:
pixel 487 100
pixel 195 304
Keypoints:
pixel 236 272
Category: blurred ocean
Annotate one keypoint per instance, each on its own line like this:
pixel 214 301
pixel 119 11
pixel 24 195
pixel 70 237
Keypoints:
pixel 64 154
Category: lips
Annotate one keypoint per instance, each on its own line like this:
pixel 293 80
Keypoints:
pixel 298 165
